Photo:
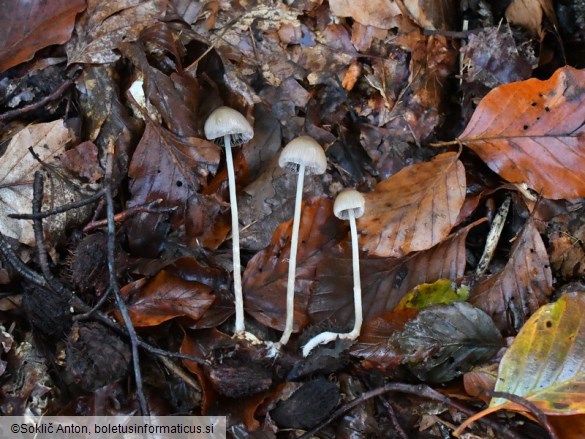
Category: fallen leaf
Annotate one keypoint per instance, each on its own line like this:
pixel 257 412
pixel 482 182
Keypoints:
pixel 524 284
pixel 105 24
pixel 165 296
pixel 17 169
pixel 379 13
pixel 432 14
pixel 566 247
pixel 30 26
pixel 443 341
pixel 265 277
pixel 83 161
pixel 545 364
pixel 443 291
pixel 532 132
pixel 414 209
pixel 530 14
pixel 169 167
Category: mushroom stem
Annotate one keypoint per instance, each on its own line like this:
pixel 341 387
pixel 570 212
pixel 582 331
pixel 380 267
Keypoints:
pixel 326 337
pixel 292 264
pixel 357 285
pixel 235 238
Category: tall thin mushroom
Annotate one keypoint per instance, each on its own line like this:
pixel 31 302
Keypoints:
pixel 304 155
pixel 231 129
pixel 349 205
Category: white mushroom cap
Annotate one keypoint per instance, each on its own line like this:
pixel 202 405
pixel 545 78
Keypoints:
pixel 225 121
pixel 349 199
pixel 304 150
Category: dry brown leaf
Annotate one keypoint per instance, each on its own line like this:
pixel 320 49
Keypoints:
pixel 30 26
pixel 533 132
pixel 379 13
pixel 17 168
pixel 524 284
pixel 433 14
pixel 106 23
pixel 530 14
pixel 414 209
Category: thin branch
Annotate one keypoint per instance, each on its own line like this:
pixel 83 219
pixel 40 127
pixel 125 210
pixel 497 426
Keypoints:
pixel 532 408
pixel 130 212
pixel 419 390
pixel 60 209
pixel 111 232
pixel 32 107
pixel 19 266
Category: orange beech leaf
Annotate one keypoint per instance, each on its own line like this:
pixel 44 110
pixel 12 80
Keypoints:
pixel 265 278
pixel 30 26
pixel 414 209
pixel 165 296
pixel 546 363
pixel 533 132
pixel 524 284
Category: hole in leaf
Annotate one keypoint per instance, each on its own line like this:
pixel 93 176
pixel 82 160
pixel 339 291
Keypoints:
pixel 548 324
pixel 179 183
pixel 525 127
pixel 547 108
pixel 533 104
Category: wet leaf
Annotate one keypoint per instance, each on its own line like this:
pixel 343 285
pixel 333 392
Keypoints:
pixel 166 296
pixel 524 284
pixel 265 278
pixel 105 24
pixel 444 341
pixel 533 132
pixel 30 26
pixel 414 209
pixel 169 167
pixel 545 363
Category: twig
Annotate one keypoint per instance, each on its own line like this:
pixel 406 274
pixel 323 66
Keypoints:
pixel 493 237
pixel 98 305
pixel 111 233
pixel 392 415
pixel 32 107
pixel 419 390
pixel 128 213
pixel 60 209
pixel 37 202
pixel 532 408
pixel 19 266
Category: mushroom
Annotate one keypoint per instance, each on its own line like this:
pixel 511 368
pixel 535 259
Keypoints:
pixel 303 155
pixel 349 205
pixel 230 128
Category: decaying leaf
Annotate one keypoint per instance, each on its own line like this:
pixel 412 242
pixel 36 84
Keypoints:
pixel 443 341
pixel 105 24
pixel 524 284
pixel 414 209
pixel 30 26
pixel 533 132
pixel 545 364
pixel 17 168
pixel 164 297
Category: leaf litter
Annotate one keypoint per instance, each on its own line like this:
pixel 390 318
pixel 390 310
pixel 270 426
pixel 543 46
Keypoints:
pixel 375 84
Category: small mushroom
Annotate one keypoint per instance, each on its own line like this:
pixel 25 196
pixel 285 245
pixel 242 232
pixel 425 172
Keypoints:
pixel 303 155
pixel 230 128
pixel 349 205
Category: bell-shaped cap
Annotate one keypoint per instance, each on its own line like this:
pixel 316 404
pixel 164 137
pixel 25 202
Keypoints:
pixel 225 121
pixel 304 150
pixel 349 200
